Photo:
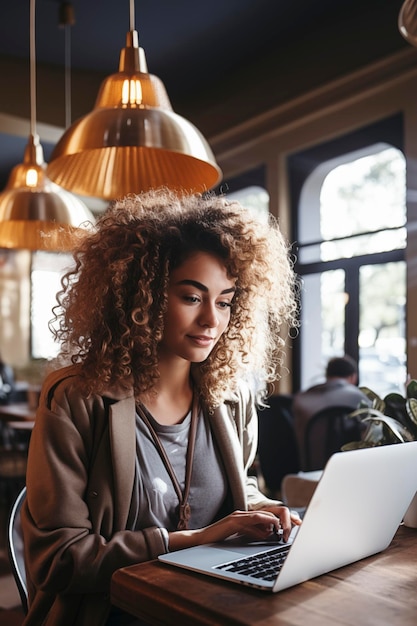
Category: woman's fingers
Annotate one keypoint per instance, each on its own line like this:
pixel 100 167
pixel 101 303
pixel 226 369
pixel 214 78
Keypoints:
pixel 287 519
pixel 258 524
pixel 254 525
pixel 295 518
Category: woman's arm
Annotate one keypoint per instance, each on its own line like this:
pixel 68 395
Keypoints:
pixel 253 525
pixel 72 539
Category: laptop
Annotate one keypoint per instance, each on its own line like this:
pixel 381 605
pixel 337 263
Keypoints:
pixel 355 512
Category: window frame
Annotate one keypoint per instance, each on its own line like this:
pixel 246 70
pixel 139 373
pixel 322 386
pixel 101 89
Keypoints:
pixel 327 155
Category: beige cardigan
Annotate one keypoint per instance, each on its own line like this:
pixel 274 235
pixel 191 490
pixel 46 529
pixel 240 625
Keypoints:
pixel 79 485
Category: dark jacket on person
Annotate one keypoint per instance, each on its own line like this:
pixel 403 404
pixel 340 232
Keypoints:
pixel 334 392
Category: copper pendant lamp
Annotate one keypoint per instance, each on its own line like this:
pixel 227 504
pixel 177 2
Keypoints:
pixel 407 21
pixel 132 140
pixel 35 213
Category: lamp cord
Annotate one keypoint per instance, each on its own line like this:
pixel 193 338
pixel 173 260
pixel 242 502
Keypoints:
pixel 32 70
pixel 67 75
pixel 66 20
pixel 132 15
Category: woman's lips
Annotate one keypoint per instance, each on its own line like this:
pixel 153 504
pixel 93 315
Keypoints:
pixel 202 340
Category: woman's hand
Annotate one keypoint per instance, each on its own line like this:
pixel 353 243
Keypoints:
pixel 253 525
pixel 287 518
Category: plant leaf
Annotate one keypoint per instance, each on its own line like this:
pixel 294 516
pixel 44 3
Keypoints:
pixel 356 445
pixel 374 435
pixel 412 389
pixel 411 408
pixel 388 421
pixel 394 399
pixel 393 431
pixel 376 400
pixel 395 407
pixel 368 411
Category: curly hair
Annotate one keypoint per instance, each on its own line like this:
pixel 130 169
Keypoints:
pixel 110 312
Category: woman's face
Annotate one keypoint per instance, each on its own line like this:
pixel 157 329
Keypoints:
pixel 200 294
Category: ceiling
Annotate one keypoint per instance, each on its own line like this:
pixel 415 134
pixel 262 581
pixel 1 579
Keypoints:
pixel 210 55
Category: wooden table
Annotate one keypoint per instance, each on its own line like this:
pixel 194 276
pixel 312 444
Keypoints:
pixel 16 412
pixel 377 591
pixel 22 425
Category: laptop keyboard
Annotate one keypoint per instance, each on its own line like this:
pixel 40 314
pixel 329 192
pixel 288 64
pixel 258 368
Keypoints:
pixel 264 565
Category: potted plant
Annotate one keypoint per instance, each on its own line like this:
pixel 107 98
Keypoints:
pixel 392 419
pixel 389 420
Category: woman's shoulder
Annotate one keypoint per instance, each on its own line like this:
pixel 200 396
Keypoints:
pixel 62 376
pixel 241 397
pixel 69 381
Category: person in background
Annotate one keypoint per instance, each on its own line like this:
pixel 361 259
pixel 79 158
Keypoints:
pixel 339 389
pixel 143 444
pixel 7 382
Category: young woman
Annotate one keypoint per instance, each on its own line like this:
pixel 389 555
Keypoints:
pixel 175 307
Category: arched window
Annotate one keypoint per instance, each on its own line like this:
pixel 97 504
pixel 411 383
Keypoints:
pixel 350 239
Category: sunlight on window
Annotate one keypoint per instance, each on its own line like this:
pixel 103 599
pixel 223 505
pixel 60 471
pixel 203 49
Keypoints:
pixel 349 209
pixel 365 195
pixel 333 302
pixel 382 357
pixel 254 198
pixel 361 208
pixel 47 270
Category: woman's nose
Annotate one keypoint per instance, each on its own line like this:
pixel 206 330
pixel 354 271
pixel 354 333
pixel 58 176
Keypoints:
pixel 209 316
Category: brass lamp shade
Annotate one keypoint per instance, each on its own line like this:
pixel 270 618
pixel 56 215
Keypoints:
pixel 407 21
pixel 132 140
pixel 35 213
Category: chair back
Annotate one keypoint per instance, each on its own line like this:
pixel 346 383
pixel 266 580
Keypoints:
pixel 15 548
pixel 277 446
pixel 327 431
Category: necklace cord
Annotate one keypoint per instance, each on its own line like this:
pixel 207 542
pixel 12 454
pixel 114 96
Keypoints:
pixel 184 506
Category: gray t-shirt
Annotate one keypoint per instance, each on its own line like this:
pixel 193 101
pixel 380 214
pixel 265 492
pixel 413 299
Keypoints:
pixel 155 501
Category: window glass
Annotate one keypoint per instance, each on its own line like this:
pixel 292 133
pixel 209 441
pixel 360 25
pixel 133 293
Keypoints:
pixel 352 217
pixel 364 195
pixel 382 365
pixel 254 198
pixel 322 323
pixel 361 208
pixel 47 271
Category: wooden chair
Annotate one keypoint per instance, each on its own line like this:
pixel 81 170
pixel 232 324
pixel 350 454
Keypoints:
pixel 327 431
pixel 297 489
pixel 13 461
pixel 277 447
pixel 15 548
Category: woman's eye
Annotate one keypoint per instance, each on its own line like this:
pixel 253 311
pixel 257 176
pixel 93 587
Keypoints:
pixel 192 299
pixel 224 305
